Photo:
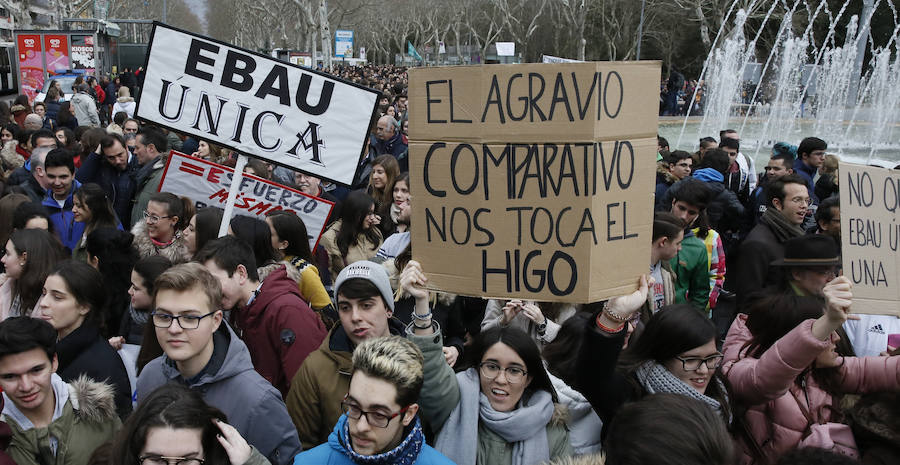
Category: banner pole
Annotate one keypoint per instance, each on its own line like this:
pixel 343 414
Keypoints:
pixel 232 194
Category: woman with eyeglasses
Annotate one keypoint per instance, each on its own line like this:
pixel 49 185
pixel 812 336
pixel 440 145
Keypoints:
pixel 72 302
pixel 781 363
pixel 674 353
pixel 161 232
pixel 174 426
pixel 355 236
pixel 503 410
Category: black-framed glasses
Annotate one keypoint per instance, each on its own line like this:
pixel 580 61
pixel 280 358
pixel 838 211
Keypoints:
pixel 153 219
pixel 376 419
pixel 490 370
pixel 164 320
pixel 163 460
pixel 693 363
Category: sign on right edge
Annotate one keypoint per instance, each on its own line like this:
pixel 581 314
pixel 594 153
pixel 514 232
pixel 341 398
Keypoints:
pixel 870 236
pixel 534 181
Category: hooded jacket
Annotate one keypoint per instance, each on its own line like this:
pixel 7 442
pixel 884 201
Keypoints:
pixel 724 210
pixel 68 230
pixel 125 104
pixel 767 385
pixel 176 252
pixel 314 400
pixel 85 417
pixel 279 328
pixel 85 110
pixel 251 404
pixel 334 452
pixel 584 424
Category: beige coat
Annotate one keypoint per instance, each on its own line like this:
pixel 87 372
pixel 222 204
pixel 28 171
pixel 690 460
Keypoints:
pixel 363 249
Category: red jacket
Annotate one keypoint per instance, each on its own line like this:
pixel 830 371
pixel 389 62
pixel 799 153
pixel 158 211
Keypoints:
pixel 280 329
pixel 766 385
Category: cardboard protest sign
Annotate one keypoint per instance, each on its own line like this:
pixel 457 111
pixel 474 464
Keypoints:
pixel 207 184
pixel 254 104
pixel 534 181
pixel 870 236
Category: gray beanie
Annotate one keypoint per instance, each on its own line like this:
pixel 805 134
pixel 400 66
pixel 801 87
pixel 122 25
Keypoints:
pixel 371 272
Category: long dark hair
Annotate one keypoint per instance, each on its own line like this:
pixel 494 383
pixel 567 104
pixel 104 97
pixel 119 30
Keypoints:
pixel 207 225
pixel 353 213
pixel 771 317
pixel 674 329
pixel 149 268
pixel 116 257
pixel 524 346
pixel 94 198
pixel 169 406
pixel 44 252
pixel 256 233
pixel 560 353
pixel 86 285
pixel 290 228
pixel 64 117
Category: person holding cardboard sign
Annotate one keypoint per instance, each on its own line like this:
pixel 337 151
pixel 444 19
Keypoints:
pixel 675 353
pixel 518 423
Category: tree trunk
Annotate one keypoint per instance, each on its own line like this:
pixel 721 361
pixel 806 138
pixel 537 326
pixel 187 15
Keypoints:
pixel 325 29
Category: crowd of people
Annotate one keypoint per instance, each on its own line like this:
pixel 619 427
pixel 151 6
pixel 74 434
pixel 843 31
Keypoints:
pixel 131 334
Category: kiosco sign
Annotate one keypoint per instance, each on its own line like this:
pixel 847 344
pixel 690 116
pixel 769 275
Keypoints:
pixel 534 181
pixel 266 108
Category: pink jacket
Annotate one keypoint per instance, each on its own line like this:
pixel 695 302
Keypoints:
pixel 766 385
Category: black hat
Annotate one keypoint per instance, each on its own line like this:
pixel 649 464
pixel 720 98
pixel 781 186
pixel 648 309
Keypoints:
pixel 811 250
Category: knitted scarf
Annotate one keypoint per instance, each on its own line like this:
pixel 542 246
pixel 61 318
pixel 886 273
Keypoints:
pixel 405 453
pixel 781 227
pixel 656 379
pixel 524 427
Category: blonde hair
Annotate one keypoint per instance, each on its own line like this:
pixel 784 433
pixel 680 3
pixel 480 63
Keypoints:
pixel 830 165
pixel 189 277
pixel 124 92
pixel 395 360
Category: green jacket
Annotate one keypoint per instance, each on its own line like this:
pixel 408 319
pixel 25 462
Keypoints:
pixel 691 268
pixel 147 186
pixel 88 420
pixel 314 400
pixel 440 395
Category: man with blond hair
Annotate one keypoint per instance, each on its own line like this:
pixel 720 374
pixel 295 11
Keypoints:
pixel 379 421
pixel 202 352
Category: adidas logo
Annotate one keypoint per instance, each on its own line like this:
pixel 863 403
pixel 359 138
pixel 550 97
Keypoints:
pixel 877 329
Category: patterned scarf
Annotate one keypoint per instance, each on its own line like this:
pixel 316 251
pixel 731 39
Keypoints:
pixel 656 379
pixel 405 453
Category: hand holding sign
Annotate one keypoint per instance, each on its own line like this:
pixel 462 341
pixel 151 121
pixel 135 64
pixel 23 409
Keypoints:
pixel 413 281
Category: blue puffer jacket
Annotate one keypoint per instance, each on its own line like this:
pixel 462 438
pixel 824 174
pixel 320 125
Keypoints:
pixel 67 229
pixel 334 452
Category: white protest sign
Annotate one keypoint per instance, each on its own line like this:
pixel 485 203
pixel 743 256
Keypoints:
pixel 292 116
pixel 207 184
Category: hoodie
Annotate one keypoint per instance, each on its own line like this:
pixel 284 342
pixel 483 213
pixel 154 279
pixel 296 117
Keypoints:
pixel 279 328
pixel 83 419
pixel 68 230
pixel 230 384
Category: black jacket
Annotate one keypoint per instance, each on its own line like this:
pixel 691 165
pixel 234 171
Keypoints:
pixel 724 210
pixel 751 270
pixel 120 186
pixel 85 352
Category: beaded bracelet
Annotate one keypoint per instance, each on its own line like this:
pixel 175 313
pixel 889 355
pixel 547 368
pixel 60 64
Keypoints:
pixel 426 316
pixel 612 315
pixel 607 329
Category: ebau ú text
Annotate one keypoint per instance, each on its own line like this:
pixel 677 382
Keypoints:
pixel 237 76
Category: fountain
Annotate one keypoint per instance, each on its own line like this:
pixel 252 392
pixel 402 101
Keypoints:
pixel 805 88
